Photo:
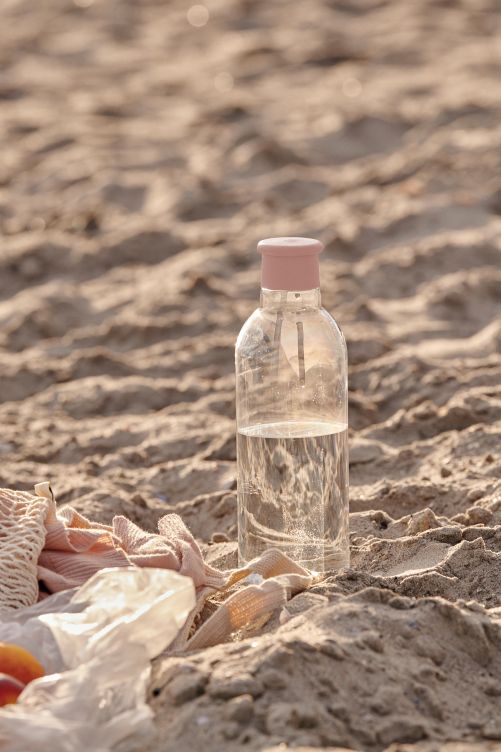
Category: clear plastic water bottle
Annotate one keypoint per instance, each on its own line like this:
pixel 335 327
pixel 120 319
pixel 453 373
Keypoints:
pixel 292 422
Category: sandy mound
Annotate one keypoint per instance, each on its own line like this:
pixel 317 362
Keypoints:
pixel 144 155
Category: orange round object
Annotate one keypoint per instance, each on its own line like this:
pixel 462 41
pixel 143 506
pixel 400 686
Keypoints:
pixel 19 663
pixel 10 689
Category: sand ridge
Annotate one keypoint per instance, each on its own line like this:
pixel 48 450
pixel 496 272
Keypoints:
pixel 143 158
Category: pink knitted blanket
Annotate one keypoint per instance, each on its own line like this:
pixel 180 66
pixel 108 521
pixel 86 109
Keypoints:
pixel 75 548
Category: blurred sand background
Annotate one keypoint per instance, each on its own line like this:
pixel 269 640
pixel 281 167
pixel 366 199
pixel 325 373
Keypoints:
pixel 146 146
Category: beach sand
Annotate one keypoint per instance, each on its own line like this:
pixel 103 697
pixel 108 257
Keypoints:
pixel 146 147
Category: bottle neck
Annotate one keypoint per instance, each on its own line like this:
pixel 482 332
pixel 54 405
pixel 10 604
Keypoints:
pixel 290 299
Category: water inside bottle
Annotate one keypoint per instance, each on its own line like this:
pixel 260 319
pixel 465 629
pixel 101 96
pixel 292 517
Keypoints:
pixel 293 492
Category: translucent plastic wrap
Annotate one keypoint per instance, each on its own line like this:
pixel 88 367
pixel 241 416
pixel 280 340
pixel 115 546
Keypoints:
pixel 95 644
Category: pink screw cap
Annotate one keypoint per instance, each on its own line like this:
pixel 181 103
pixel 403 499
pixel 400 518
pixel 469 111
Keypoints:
pixel 290 263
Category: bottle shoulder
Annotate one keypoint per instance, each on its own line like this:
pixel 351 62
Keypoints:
pixel 266 317
pixel 250 325
pixel 317 323
pixel 333 324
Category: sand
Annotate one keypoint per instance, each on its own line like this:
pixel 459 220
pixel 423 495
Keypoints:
pixel 143 157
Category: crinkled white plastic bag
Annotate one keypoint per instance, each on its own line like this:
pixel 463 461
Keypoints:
pixel 100 638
